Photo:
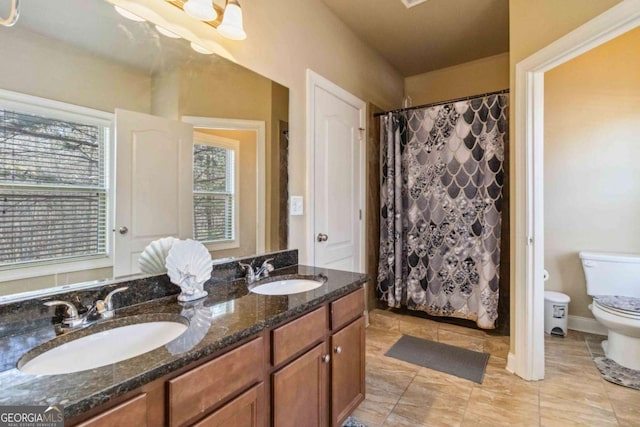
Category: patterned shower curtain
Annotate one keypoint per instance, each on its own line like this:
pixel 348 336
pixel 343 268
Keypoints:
pixel 441 196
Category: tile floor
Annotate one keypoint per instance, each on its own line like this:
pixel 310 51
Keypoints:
pixel 572 394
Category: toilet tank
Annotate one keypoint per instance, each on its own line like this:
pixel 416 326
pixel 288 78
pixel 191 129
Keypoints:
pixel 611 273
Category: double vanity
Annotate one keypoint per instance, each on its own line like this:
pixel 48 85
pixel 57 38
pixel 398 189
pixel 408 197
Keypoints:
pixel 290 353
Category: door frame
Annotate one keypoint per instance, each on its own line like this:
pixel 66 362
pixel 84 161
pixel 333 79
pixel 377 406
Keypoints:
pixel 259 127
pixel 315 80
pixel 528 192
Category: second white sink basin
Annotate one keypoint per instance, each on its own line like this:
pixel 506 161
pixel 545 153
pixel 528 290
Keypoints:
pixel 103 348
pixel 286 287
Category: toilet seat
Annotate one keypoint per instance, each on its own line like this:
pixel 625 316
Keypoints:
pixel 619 305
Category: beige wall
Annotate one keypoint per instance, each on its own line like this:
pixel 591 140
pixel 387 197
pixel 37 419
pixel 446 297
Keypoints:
pixel 532 26
pixel 289 36
pixel 36 65
pixel 223 89
pixel 247 190
pixel 471 78
pixel 591 168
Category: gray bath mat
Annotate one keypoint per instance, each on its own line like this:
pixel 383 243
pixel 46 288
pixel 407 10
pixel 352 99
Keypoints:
pixel 617 374
pixel 352 422
pixel 445 358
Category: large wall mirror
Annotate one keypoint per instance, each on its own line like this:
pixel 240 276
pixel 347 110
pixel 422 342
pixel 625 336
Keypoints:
pixel 76 80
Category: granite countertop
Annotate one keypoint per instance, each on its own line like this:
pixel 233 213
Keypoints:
pixel 228 315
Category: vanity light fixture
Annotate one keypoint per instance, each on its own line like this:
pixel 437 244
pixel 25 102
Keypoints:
pixel 174 18
pixel 129 15
pixel 231 26
pixel 14 13
pixel 200 9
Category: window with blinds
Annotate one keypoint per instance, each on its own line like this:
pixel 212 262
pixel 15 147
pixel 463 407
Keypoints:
pixel 53 189
pixel 214 193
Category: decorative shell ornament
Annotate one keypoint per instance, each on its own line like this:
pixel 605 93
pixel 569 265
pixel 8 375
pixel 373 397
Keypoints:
pixel 189 265
pixel 152 260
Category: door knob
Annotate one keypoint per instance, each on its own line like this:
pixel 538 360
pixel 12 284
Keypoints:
pixel 322 237
pixel 123 230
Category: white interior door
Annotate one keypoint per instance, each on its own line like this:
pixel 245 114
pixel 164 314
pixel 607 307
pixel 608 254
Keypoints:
pixel 338 151
pixel 154 164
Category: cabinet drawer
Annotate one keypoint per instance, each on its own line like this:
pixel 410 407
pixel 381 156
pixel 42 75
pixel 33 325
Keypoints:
pixel 299 334
pixel 246 410
pixel 133 412
pixel 195 392
pixel 347 308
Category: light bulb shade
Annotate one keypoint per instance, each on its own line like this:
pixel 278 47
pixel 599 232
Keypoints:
pixel 200 9
pixel 167 33
pixel 201 49
pixel 14 14
pixel 231 26
pixel 129 15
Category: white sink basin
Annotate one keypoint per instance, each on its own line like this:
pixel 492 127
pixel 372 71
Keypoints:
pixel 104 348
pixel 286 287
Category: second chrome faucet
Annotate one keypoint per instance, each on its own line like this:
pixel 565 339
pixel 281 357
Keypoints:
pixel 259 273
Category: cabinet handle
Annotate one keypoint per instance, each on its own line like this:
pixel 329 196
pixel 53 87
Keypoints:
pixel 338 350
pixel 326 358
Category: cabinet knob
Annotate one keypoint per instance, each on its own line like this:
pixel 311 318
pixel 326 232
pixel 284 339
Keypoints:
pixel 123 230
pixel 338 350
pixel 322 237
pixel 326 358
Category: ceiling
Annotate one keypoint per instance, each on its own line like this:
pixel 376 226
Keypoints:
pixel 432 35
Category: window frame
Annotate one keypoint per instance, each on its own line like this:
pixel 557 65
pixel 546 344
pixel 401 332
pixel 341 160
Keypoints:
pixel 200 138
pixel 29 104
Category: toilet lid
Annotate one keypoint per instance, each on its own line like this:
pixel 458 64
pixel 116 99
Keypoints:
pixel 628 304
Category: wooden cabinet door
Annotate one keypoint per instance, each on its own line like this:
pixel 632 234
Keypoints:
pixel 300 391
pixel 133 412
pixel 247 410
pixel 347 371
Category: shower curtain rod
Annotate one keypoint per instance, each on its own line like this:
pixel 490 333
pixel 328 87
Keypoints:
pixel 449 101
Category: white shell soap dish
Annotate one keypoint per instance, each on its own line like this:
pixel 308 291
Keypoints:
pixel 152 260
pixel 189 265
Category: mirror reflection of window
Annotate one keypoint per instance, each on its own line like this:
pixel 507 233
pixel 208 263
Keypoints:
pixel 215 189
pixel 53 184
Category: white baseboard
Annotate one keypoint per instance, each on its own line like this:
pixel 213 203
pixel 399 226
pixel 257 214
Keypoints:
pixel 585 324
pixel 511 363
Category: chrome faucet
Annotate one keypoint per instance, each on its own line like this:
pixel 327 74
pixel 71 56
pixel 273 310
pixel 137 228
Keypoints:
pixel 73 319
pixel 260 273
pixel 105 307
pixel 101 309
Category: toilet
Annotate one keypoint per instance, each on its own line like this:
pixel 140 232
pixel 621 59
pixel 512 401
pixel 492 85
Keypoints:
pixel 613 280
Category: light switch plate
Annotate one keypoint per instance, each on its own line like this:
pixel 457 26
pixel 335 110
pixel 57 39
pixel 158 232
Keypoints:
pixel 296 205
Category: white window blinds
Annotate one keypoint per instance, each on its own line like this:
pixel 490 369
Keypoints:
pixel 53 191
pixel 214 193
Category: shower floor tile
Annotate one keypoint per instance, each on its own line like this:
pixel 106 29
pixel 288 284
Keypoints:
pixel 573 392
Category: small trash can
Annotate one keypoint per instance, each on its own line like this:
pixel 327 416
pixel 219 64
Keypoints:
pixel 555 313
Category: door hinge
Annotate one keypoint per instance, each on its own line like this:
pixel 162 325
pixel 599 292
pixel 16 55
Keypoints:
pixel 360 214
